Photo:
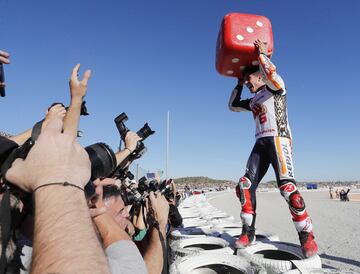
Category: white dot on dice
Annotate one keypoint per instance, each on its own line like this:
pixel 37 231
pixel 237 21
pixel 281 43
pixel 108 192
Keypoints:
pixel 240 37
pixel 250 29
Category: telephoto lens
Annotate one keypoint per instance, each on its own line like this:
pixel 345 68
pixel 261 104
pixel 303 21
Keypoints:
pixel 103 163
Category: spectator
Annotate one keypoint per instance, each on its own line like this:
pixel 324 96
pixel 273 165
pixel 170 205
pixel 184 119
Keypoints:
pixel 337 195
pixel 331 192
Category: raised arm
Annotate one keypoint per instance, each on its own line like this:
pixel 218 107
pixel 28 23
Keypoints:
pixel 77 92
pixel 235 102
pixel 271 77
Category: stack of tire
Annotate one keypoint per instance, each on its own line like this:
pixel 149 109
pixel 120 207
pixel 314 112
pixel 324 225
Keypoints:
pixel 205 245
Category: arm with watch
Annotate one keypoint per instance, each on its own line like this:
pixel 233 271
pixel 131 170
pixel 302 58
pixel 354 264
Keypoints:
pixel 131 139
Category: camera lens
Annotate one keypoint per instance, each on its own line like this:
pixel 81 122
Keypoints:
pixel 145 131
pixel 102 158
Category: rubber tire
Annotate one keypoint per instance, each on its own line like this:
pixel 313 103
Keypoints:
pixel 323 271
pixel 190 264
pixel 192 232
pixel 194 222
pixel 279 266
pixel 179 248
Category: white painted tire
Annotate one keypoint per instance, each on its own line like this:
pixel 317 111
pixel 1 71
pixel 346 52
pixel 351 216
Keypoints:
pixel 227 225
pixel 213 263
pixel 191 246
pixel 184 211
pixel 261 236
pixel 277 257
pixel 189 215
pixel 322 271
pixel 192 232
pixel 194 222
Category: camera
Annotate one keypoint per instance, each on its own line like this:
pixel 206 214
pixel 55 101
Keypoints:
pixel 2 80
pixel 143 133
pixel 137 195
pixel 103 163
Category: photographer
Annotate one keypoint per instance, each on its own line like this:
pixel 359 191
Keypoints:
pixel 156 217
pixel 175 219
pixel 68 245
pixel 150 247
pixel 110 218
pixel 54 168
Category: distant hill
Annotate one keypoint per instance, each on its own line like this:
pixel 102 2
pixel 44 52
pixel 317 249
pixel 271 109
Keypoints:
pixel 201 180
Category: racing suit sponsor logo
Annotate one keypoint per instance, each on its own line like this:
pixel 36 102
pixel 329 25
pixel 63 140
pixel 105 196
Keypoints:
pixel 288 160
pixel 265 131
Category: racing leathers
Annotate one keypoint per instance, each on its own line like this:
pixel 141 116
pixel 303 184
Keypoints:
pixel 273 146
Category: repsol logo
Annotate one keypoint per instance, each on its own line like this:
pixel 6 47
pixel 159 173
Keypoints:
pixel 288 162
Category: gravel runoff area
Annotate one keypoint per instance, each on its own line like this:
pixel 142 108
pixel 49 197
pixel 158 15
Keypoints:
pixel 336 224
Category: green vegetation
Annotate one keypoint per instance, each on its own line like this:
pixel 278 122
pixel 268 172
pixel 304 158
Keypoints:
pixel 200 180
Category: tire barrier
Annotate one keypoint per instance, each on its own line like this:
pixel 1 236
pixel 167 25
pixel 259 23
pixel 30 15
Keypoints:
pixel 261 236
pixel 189 215
pixel 195 222
pixel 232 234
pixel 227 225
pixel 214 263
pixel 279 257
pixel 193 232
pixel 322 271
pixel 210 233
pixel 191 246
pixel 215 214
pixel 217 221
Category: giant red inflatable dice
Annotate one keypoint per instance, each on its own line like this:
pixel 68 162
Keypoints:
pixel 235 48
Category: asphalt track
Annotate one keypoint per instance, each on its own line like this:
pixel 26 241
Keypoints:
pixel 336 224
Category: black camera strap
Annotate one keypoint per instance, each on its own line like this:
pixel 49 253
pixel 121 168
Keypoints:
pixel 36 130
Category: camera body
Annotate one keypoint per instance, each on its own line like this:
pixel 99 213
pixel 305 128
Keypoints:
pixel 143 133
pixel 137 195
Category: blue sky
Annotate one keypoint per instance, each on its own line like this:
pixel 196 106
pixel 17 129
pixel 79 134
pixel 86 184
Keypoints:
pixel 150 57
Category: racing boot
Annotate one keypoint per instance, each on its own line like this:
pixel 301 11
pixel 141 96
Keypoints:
pixel 308 244
pixel 247 236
